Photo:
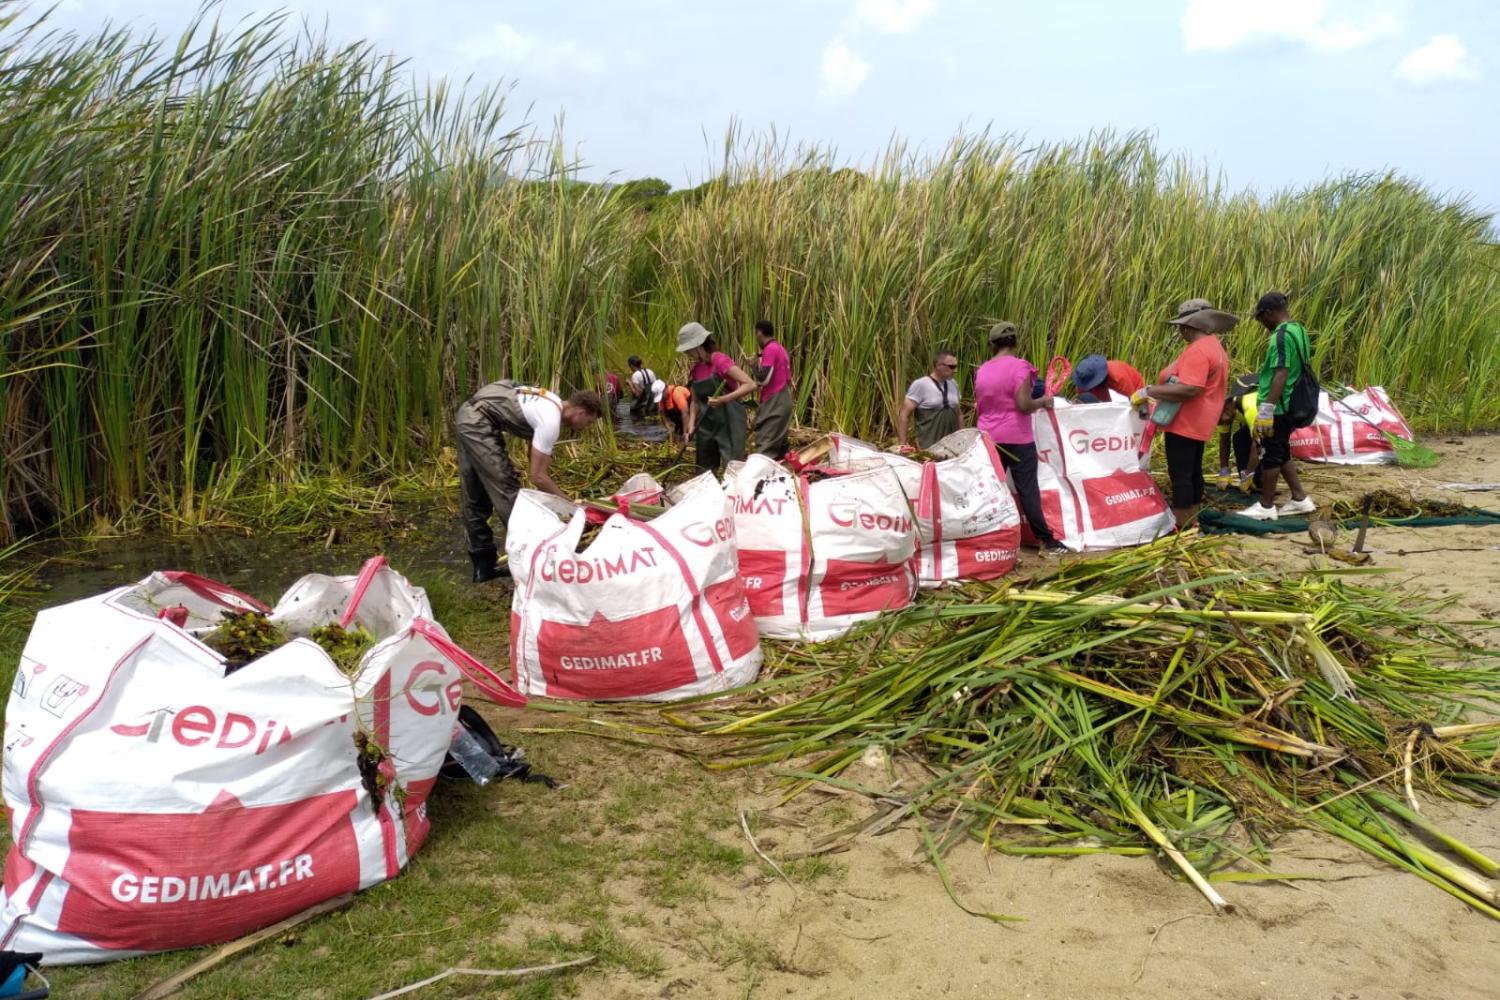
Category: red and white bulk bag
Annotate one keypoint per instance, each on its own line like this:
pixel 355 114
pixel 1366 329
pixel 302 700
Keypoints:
pixel 156 803
pixel 650 610
pixel 1092 467
pixel 968 527
pixel 1347 431
pixel 818 557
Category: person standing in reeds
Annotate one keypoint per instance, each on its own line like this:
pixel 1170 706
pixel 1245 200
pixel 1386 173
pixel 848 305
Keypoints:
pixel 1196 383
pixel 716 420
pixel 1004 404
pixel 933 401
pixel 773 418
pixel 1286 354
pixel 641 378
pixel 486 478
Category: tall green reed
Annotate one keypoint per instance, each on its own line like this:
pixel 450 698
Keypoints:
pixel 247 256
pixel 250 255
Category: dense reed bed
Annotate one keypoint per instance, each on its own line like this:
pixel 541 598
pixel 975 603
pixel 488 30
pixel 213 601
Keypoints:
pixel 249 257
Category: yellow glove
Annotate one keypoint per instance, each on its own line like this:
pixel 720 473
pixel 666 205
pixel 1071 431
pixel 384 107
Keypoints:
pixel 1225 478
pixel 1265 420
pixel 1139 398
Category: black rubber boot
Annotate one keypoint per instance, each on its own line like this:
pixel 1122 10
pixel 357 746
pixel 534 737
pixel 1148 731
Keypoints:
pixel 486 566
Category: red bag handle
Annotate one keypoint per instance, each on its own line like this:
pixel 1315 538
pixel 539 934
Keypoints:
pixel 213 590
pixel 486 680
pixel 367 572
pixel 1057 374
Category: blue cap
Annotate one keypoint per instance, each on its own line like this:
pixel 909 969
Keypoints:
pixel 1091 371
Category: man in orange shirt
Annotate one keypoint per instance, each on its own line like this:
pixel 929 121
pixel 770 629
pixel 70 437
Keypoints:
pixel 1197 382
pixel 1095 378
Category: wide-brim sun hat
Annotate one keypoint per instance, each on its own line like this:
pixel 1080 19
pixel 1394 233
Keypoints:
pixel 1090 372
pixel 1201 315
pixel 690 336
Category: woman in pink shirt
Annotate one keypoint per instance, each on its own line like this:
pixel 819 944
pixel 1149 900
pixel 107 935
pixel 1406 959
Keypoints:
pixel 716 420
pixel 773 418
pixel 1003 400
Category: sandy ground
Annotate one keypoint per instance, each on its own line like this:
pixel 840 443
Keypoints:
pixel 1104 926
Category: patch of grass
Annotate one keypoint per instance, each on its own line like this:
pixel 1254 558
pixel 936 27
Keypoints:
pixel 513 875
pixel 811 871
pixel 613 948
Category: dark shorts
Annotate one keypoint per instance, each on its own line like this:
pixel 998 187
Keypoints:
pixel 1185 469
pixel 1276 450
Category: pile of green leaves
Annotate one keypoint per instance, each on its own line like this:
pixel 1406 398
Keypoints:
pixel 346 647
pixel 1164 700
pixel 241 638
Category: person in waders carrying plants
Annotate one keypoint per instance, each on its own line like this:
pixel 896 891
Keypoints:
pixel 716 421
pixel 1287 363
pixel 773 418
pixel 1004 403
pixel 486 478
pixel 933 400
pixel 1194 386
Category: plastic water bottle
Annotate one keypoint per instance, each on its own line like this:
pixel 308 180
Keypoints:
pixel 471 755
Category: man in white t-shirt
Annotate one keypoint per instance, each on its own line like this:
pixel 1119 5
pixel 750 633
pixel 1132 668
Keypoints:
pixel 933 399
pixel 485 475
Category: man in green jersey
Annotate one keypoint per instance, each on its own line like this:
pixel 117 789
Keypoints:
pixel 1287 354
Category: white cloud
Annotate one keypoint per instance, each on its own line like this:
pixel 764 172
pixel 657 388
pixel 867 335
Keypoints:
pixel 843 70
pixel 522 55
pixel 1221 25
pixel 893 17
pixel 1442 59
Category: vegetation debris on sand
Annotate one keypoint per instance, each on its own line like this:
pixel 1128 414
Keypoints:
pixel 1166 699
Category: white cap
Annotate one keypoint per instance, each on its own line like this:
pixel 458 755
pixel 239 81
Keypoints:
pixel 657 388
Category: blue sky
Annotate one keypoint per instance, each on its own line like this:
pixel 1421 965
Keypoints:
pixel 1270 92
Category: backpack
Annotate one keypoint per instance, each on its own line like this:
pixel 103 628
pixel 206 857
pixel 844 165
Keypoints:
pixel 1302 398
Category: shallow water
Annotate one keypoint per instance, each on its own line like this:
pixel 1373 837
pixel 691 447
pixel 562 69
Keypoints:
pixel 649 429
pixel 262 566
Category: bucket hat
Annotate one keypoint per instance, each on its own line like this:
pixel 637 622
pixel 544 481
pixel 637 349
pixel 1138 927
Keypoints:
pixel 690 336
pixel 1091 371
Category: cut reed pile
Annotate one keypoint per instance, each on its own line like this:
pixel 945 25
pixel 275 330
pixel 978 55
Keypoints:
pixel 1163 700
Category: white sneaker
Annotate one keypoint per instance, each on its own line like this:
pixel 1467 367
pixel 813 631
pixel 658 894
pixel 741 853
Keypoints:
pixel 1294 507
pixel 1258 513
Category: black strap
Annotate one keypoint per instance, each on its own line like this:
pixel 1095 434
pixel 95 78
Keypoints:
pixel 942 388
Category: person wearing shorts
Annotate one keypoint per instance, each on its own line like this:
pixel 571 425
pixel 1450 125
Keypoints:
pixel 1197 381
pixel 1285 353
